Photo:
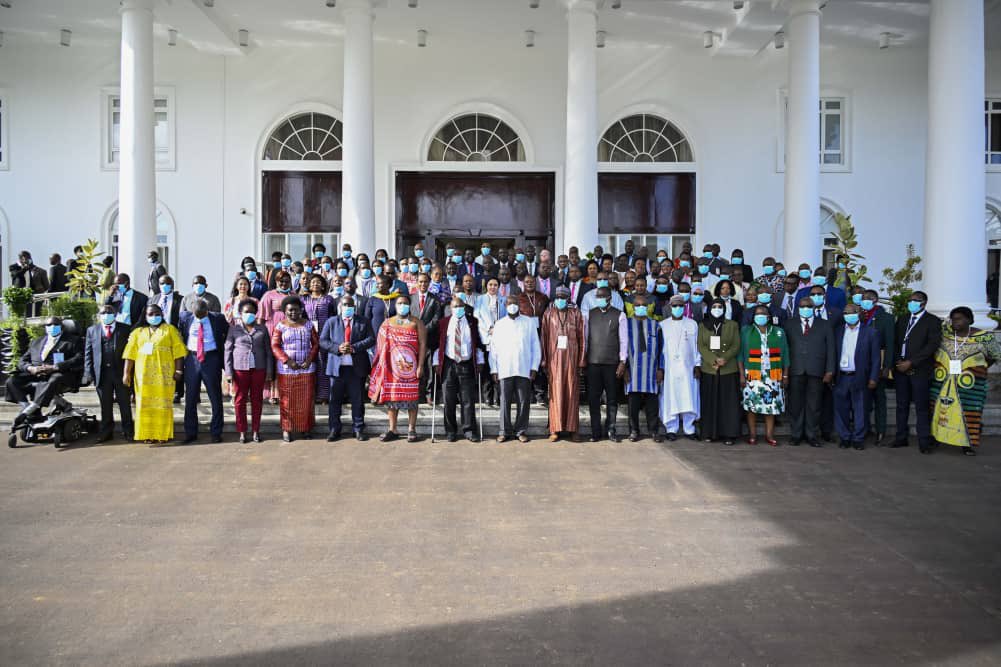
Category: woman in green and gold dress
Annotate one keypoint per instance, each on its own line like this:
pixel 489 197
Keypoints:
pixel 959 384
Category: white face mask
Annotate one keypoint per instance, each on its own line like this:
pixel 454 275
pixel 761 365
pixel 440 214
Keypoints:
pixel 717 312
pixel 512 309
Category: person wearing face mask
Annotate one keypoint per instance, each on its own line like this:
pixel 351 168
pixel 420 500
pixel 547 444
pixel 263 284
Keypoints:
pixel 170 304
pixel 318 252
pixel 295 345
pixel 515 357
pixel 401 348
pixel 346 255
pixel 239 294
pixel 346 340
pixel 710 252
pixel 52 364
pixel 769 275
pixel 606 333
pixel 577 285
pixel 485 251
pixel 273 267
pixel 788 301
pixel 199 290
pixel 319 306
pixel 156 270
pixel 563 356
pixel 458 360
pixel 719 388
pixel 154 361
pixel 840 275
pixel 205 334
pixel 270 313
pixel 856 348
pixel 725 291
pixel 469 267
pixel 916 340
pixel 703 267
pixel 25 274
pixel 258 285
pixel 834 297
pixel 766 298
pixel 680 361
pixel 590 299
pixel 425 306
pixel 643 375
pixel 366 278
pixel 382 304
pixel 249 366
pixel 764 373
pixel 811 367
pixel 129 305
pixel 874 315
pixel 104 365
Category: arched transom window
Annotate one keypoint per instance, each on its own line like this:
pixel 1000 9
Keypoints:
pixel 305 136
pixel 476 137
pixel 644 138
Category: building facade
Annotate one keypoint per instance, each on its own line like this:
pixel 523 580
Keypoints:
pixel 272 125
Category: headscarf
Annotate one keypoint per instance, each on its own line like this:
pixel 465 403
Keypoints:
pixel 712 323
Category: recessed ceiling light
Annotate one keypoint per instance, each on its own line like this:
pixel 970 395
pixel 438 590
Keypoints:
pixel 171 37
pixel 884 40
pixel 209 3
pixel 709 39
pixel 616 4
pixel 738 5
pixel 422 37
pixel 65 36
pixel 534 4
pixel 529 38
pixel 599 39
pixel 412 3
pixel 780 40
pixel 244 36
pixel 5 4
pixel 331 3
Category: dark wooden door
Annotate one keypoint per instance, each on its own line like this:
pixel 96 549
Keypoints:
pixel 301 201
pixel 640 203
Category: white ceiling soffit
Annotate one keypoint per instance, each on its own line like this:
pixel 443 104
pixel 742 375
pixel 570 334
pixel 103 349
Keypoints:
pixel 200 26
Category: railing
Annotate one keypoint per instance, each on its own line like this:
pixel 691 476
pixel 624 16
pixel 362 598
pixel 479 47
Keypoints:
pixel 39 302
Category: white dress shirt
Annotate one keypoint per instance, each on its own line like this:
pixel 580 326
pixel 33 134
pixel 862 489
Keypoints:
pixel 515 350
pixel 847 363
pixel 590 300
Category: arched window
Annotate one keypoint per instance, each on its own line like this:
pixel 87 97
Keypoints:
pixel 165 230
pixel 644 138
pixel 305 136
pixel 476 137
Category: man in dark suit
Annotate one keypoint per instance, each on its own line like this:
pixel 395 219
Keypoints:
pixel 52 364
pixel 129 305
pixel 917 338
pixel 426 307
pixel 170 303
pixel 347 339
pixel 578 288
pixel 856 348
pixel 811 366
pixel 470 267
pixel 104 365
pixel 156 270
pixel 57 273
pixel 26 274
pixel 834 297
pixel 819 295
pixel 546 283
pixel 874 316
pixel 459 355
pixel 204 334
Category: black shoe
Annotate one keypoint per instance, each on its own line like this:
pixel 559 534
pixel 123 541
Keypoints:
pixel 286 436
pixel 177 399
pixel 794 442
pixel 472 437
pixel 634 436
pixel 859 446
pixel 691 436
pixel 844 444
pixel 899 443
pixel 104 437
pixel 257 437
pixel 333 437
pixel 826 437
pixel 595 438
pixel 190 439
pixel 671 437
pixel 657 437
pixel 879 439
pixel 451 437
pixel 969 451
pixel 216 438
pixel 360 437
pixel 728 443
pixel 816 443
pixel 926 449
pixel 614 437
pixel 243 438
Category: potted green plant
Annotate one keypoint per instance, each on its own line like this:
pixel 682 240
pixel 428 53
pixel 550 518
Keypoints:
pixel 84 278
pixel 18 300
pixel 847 243
pixel 896 283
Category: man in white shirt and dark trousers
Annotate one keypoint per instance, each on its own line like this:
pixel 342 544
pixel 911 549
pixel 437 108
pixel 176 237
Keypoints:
pixel 607 335
pixel 459 355
pixel 857 351
pixel 515 355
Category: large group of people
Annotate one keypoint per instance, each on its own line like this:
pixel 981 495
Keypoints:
pixel 695 346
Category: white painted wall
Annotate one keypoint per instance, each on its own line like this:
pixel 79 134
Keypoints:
pixel 55 194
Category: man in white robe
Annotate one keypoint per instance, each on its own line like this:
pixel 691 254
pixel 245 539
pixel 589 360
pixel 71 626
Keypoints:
pixel 515 355
pixel 680 362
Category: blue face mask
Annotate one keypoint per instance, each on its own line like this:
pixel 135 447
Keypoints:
pixel 326 266
pixel 677 311
pixel 685 295
pixel 456 259
pixel 366 273
pixel 820 280
pixel 724 276
pixel 53 330
pixel 286 263
pixel 708 254
pixel 378 270
pixel 450 252
pixel 348 312
pixel 154 320
pixel 418 253
pixel 736 260
pixel 199 289
pixel 765 298
pixel 251 276
pixel 460 312
pixel 249 318
pixel 561 304
pixel 166 288
pixel 484 251
pixel 806 313
pixel 107 318
pixel 768 269
pixel 842 265
pixel 640 311
pixel 403 310
pixel 346 254
pixel 805 274
pixel 343 273
pixel 914 307
pixel 601 302
pixel 404 268
pixel 413 268
pixel 520 257
pixel 783 273
pixel 697 298
pixel 851 318
pixel 276 264
pixel 318 254
pixel 601 283
pixel 661 288
pixel 425 268
pixel 818 299
pixel 308 269
pixel 685 264
pixel 857 299
pixel 122 289
pixel 867 304
pixel 761 320
pixel 703 269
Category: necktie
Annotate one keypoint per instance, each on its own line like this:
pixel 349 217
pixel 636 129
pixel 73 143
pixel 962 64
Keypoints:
pixel 573 292
pixel 457 343
pixel 422 302
pixel 806 327
pixel 200 347
pixel 49 344
pixel 107 331
pixel 347 331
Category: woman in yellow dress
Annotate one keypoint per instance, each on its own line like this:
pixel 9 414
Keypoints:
pixel 155 356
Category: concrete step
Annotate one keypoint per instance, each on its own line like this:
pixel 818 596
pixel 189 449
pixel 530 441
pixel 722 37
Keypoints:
pixel 376 420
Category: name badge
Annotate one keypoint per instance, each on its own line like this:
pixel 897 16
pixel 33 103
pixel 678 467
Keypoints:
pixel 775 320
pixel 58 357
pixel 955 367
pixel 147 348
pixel 562 342
pixel 715 343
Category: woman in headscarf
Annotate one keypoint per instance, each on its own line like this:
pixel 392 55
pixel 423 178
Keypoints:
pixel 719 388
pixel 764 368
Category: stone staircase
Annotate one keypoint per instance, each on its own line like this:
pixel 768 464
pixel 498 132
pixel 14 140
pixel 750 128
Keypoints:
pixel 376 420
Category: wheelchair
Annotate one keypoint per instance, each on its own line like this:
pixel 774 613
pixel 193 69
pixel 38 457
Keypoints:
pixel 62 423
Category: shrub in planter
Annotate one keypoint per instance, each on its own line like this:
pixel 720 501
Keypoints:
pixel 15 336
pixel 82 310
pixel 17 300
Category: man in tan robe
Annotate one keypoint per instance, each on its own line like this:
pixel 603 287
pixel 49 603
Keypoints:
pixel 563 355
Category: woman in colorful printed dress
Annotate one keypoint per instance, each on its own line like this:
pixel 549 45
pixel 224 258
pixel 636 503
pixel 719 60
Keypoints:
pixel 295 345
pixel 154 357
pixel 959 383
pixel 270 313
pixel 239 294
pixel 764 373
pixel 399 360
pixel 319 307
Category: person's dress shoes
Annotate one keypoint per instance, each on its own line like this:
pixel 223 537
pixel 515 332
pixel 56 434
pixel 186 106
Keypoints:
pixel 795 442
pixel 257 437
pixel 472 437
pixel 360 437
pixel 243 438
pixel 899 443
pixel 216 438
pixel 879 439
pixel 657 437
pixel 452 437
pixel 671 437
pixel 844 444
pixel 859 446
pixel 333 437
pixel 634 437
pixel 190 439
pixel 816 443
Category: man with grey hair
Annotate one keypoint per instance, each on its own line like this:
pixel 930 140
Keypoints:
pixel 204 333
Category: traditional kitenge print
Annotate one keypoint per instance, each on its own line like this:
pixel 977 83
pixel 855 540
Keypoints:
pixel 153 351
pixel 958 398
pixel 296 402
pixel 765 358
pixel 299 344
pixel 645 355
pixel 318 310
pixel 394 380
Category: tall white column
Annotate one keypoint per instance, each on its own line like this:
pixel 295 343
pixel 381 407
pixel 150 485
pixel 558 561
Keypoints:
pixel 137 168
pixel 358 193
pixel 580 210
pixel 802 175
pixel 955 250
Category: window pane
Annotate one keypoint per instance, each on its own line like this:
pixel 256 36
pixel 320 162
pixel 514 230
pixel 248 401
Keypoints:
pixel 995 133
pixel 832 132
pixel 995 158
pixel 996 105
pixel 832 158
pixel 832 104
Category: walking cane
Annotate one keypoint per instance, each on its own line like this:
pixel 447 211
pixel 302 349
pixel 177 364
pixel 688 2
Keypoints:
pixel 434 401
pixel 479 385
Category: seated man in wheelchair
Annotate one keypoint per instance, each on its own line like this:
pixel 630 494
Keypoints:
pixel 52 365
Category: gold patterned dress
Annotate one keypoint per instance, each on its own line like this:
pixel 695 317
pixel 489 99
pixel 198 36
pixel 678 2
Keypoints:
pixel 153 351
pixel 959 385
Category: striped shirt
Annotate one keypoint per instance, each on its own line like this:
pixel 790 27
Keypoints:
pixel 642 374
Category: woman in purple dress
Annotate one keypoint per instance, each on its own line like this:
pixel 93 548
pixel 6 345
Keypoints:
pixel 319 307
pixel 271 314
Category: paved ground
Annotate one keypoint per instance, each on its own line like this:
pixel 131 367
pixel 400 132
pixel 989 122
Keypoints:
pixel 442 554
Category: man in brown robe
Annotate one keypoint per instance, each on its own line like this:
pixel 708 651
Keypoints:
pixel 563 355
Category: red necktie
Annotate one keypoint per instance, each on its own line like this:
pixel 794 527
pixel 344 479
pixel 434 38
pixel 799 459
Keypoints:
pixel 573 292
pixel 200 348
pixel 806 328
pixel 422 303
pixel 347 331
pixel 107 331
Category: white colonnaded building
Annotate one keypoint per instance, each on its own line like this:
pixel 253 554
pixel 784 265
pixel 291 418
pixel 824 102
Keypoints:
pixel 216 129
